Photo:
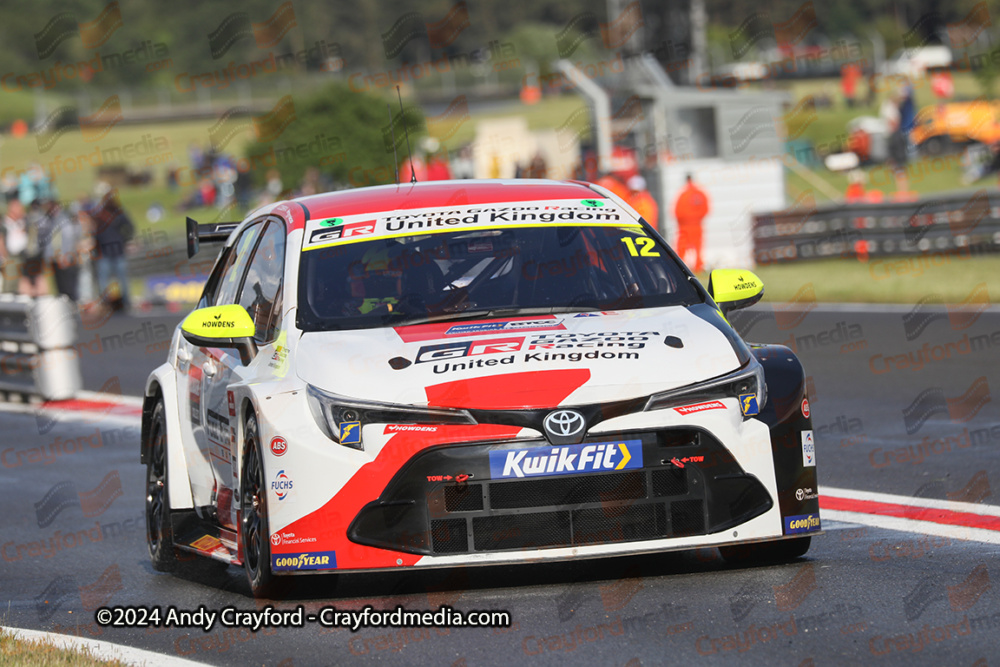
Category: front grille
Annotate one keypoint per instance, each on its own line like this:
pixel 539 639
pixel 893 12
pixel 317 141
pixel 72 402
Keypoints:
pixel 670 482
pixel 463 498
pixel 567 490
pixel 689 485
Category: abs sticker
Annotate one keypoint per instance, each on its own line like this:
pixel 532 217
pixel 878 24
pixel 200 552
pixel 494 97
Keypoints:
pixel 748 404
pixel 278 446
pixel 805 408
pixel 801 523
pixel 808 450
pixel 320 560
pixel 566 460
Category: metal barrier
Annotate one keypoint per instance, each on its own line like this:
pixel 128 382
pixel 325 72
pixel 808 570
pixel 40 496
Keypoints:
pixel 37 357
pixel 953 224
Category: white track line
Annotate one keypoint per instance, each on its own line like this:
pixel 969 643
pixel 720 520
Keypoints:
pixel 913 526
pixel 909 525
pixel 102 649
pixel 952 505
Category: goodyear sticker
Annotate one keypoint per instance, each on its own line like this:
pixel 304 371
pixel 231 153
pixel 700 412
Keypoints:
pixel 801 523
pixel 320 560
pixel 748 404
pixel 566 460
pixel 350 433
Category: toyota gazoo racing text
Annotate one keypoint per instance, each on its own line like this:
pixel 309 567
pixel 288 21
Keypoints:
pixel 468 372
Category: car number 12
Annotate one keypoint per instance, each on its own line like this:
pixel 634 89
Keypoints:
pixel 645 249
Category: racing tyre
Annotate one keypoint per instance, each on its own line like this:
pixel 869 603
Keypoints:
pixel 781 551
pixel 159 537
pixel 253 506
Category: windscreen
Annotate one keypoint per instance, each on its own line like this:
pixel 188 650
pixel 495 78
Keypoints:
pixel 372 273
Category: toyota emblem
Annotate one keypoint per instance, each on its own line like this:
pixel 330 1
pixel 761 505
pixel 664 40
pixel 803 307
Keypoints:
pixel 564 425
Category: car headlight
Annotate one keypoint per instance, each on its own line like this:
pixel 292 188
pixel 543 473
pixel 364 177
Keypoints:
pixel 747 381
pixel 337 415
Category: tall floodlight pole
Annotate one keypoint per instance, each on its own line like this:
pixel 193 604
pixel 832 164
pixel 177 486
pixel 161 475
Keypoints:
pixel 698 41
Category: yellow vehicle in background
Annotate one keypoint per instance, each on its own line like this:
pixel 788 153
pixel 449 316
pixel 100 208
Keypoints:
pixel 942 128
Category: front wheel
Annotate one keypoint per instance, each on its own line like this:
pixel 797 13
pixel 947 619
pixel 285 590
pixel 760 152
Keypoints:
pixel 253 510
pixel 159 536
pixel 781 551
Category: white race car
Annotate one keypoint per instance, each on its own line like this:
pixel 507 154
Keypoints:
pixel 468 372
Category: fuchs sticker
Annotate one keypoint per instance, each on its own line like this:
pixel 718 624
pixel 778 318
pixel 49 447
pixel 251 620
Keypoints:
pixel 473 328
pixel 281 485
pixel 701 407
pixel 279 445
pixel 805 408
pixel 808 450
pixel 801 523
pixel 319 560
pixel 566 460
pixel 748 404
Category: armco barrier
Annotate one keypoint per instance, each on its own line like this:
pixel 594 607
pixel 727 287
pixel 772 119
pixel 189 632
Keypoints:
pixel 953 223
pixel 37 357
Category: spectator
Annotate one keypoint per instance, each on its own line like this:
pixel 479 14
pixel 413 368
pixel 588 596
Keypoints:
pixel 643 202
pixel 15 244
pixel 463 166
pixel 311 183
pixel 112 230
pixel 35 185
pixel 86 249
pixel 274 185
pixel 411 166
pixel 613 183
pixel 9 185
pixel 537 168
pixel 437 167
pixel 855 186
pixel 899 150
pixel 849 76
pixel 63 249
pixel 690 209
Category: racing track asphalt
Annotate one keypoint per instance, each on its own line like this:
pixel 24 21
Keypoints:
pixel 863 595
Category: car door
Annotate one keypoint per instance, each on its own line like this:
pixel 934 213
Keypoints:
pixel 196 364
pixel 260 294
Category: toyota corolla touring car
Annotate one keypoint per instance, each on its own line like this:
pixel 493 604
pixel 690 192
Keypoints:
pixel 472 372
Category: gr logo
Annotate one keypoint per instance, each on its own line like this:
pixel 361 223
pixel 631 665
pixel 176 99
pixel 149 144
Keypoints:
pixel 446 351
pixel 325 235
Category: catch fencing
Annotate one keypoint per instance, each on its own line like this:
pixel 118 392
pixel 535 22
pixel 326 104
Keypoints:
pixel 957 224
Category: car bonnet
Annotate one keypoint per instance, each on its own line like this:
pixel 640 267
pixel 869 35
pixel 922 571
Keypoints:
pixel 522 362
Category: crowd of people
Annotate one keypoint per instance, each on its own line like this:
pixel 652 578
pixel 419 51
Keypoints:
pixel 40 237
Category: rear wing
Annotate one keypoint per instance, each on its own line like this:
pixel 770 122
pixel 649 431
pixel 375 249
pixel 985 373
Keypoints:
pixel 216 232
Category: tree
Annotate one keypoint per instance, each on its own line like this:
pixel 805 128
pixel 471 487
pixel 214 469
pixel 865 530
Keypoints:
pixel 343 133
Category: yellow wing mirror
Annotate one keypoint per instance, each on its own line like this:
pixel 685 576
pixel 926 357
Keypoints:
pixel 733 289
pixel 226 326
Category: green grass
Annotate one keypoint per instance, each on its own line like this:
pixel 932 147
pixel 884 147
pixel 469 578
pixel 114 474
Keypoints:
pixel 20 104
pixel 550 113
pixel 18 653
pixel 926 177
pixel 73 161
pixel 950 279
